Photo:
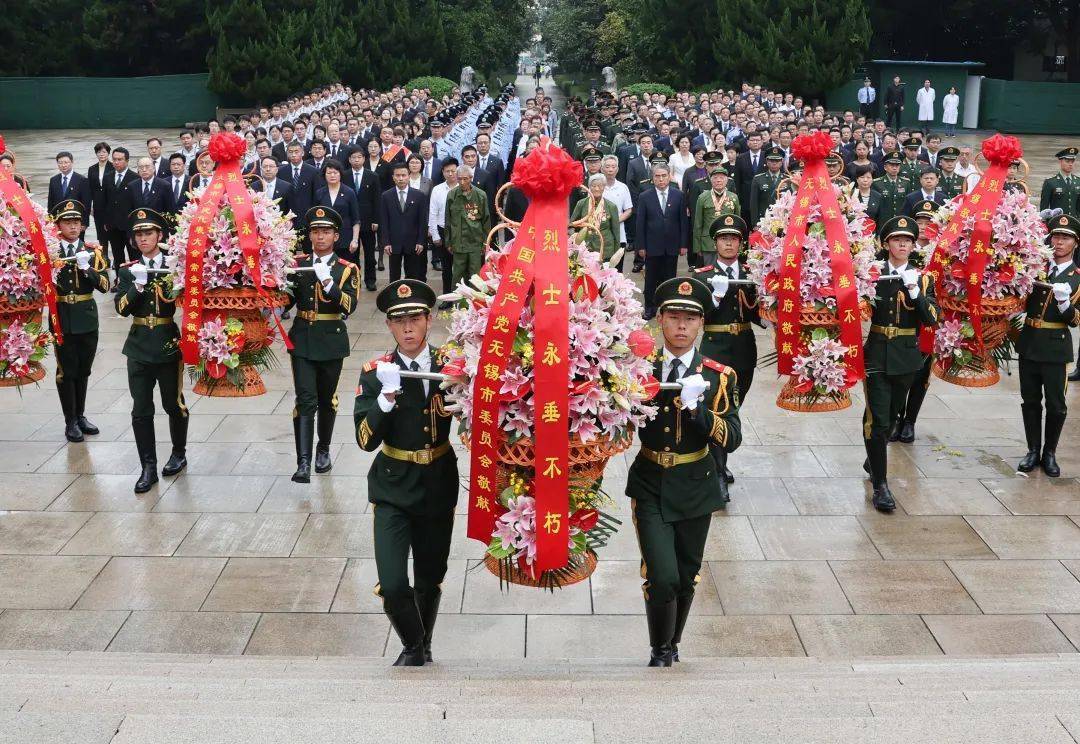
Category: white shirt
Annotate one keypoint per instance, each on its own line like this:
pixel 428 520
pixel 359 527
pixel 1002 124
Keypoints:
pixel 437 209
pixel 684 364
pixel 618 194
pixel 679 164
pixel 269 190
pixel 723 266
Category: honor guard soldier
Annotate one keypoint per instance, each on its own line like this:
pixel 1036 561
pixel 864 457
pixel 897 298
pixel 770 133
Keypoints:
pixel 673 482
pixel 763 187
pixel 893 188
pixel 1045 348
pixel 1062 190
pixel 152 348
pixel 891 352
pixel 76 316
pixel 413 482
pixel 951 183
pixel 728 336
pixel 324 294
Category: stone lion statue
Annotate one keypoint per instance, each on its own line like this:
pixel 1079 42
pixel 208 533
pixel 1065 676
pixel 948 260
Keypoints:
pixel 466 82
pixel 610 83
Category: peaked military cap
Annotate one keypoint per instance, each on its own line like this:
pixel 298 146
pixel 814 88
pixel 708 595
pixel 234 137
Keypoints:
pixel 926 208
pixel 405 297
pixel 774 153
pixel 948 153
pixel 794 164
pixel 1069 153
pixel 894 157
pixel 658 156
pixel 728 169
pixel 1066 224
pixel 145 219
pixel 69 209
pixel 900 225
pixel 591 153
pixel 323 217
pixel 911 142
pixel 714 157
pixel 691 295
pixel 729 224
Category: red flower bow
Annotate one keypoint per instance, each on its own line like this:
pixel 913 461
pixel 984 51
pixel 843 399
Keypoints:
pixel 547 172
pixel 812 147
pixel 1002 150
pixel 226 147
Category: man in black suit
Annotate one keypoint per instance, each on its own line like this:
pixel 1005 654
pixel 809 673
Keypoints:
pixel 432 166
pixel 928 191
pixel 150 191
pixel 119 202
pixel 662 233
pixel 302 177
pixel 281 149
pixel 894 103
pixel 159 162
pixel 491 166
pixel 403 218
pixel 272 186
pixel 67 184
pixel 393 153
pixel 748 165
pixel 96 175
pixel 366 185
pixel 177 183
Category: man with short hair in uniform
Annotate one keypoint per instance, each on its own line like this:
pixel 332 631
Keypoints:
pixel 152 348
pixel 76 315
pixel 1062 190
pixel 413 482
pixel 325 293
pixel 717 201
pixel 673 483
pixel 893 188
pixel 950 183
pixel 763 187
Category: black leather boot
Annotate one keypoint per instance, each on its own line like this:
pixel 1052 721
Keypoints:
pixel 304 433
pixel 682 611
pixel 894 432
pixel 178 426
pixel 878 458
pixel 427 604
pixel 405 619
pixel 661 620
pixel 1033 433
pixel 326 433
pixel 80 407
pixel 1054 424
pixel 143 428
pixel 66 390
pixel 916 397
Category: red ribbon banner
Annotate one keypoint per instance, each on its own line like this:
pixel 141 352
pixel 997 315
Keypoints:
pixel 20 202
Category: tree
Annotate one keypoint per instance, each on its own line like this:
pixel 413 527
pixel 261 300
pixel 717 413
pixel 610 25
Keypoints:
pixel 486 34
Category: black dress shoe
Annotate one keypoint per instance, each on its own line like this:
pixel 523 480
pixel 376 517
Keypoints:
pixel 1050 465
pixel 866 466
pixel 1030 462
pixel 147 479
pixel 175 464
pixel 728 477
pixel 907 433
pixel 894 432
pixel 1074 376
pixel 303 473
pixel 72 431
pixel 883 498
pixel 86 427
pixel 370 286
pixel 322 460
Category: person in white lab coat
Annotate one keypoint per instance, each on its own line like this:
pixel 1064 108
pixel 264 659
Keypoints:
pixel 925 100
pixel 950 109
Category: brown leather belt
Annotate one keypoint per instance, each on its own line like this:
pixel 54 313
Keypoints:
pixel 419 457
pixel 71 299
pixel 671 459
pixel 311 316
pixel 893 331
pixel 1040 323
pixel 151 321
pixel 728 328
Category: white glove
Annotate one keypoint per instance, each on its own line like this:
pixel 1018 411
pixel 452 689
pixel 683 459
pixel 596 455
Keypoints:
pixel 720 284
pixel 911 281
pixel 693 388
pixel 389 376
pixel 1062 292
pixel 82 260
pixel 138 273
pixel 322 272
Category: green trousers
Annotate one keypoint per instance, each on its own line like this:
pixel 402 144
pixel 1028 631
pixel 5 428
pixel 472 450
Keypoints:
pixel 1047 380
pixel 465 265
pixel 75 357
pixel 885 397
pixel 144 376
pixel 671 552
pixel 396 533
pixel 315 384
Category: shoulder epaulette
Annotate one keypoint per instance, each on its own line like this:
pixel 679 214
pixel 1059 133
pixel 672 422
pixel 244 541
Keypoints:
pixel 129 263
pixel 714 366
pixel 370 366
pixel 703 269
pixel 343 262
pixel 301 256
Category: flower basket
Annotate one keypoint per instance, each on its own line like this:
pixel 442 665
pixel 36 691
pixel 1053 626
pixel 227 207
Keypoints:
pixel 25 310
pixel 966 364
pixel 22 347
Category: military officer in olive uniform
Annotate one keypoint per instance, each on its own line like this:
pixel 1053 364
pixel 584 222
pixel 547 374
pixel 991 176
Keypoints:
pixel 892 351
pixel 76 316
pixel 1062 190
pixel 1045 348
pixel 728 336
pixel 152 348
pixel 715 202
pixel 950 183
pixel 324 293
pixel 910 166
pixel 467 225
pixel 697 187
pixel 893 188
pixel 673 482
pixel 413 482
pixel 763 187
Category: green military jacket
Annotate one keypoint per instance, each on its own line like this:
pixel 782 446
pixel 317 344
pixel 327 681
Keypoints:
pixel 911 170
pixel 951 184
pixel 763 194
pixel 893 193
pixel 76 310
pixel 899 354
pixel 705 212
pixel 691 489
pixel 1045 335
pixel 157 344
pixel 739 305
pixel 1061 193
pixel 319 332
pixel 467 220
pixel 416 422
pixel 606 222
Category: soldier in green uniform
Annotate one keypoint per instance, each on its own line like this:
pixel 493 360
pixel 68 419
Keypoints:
pixel 593 161
pixel 892 351
pixel 413 482
pixel 597 220
pixel 76 316
pixel 152 348
pixel 592 137
pixel 467 224
pixel 1062 190
pixel 1045 348
pixel 728 336
pixel 673 481
pixel 324 295
pixel 893 188
pixel 951 183
pixel 911 167
pixel 763 187
pixel 715 202
pixel 790 184
pixel 697 187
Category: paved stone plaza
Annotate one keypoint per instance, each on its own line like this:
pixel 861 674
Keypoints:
pixel 231 557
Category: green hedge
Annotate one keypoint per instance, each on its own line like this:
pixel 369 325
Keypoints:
pixel 439 86
pixel 638 88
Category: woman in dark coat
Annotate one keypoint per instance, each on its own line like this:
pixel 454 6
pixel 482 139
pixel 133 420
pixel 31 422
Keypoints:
pixel 342 200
